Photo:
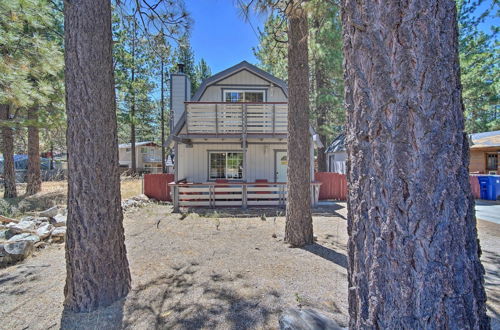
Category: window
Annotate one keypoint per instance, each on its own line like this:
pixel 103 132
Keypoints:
pixel 491 162
pixel 127 150
pixel 144 150
pixel 244 96
pixel 225 165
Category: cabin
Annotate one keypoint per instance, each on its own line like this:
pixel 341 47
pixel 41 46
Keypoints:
pixel 230 139
pixel 336 156
pixel 484 153
pixel 147 159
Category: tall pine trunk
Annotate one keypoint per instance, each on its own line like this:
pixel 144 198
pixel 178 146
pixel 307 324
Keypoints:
pixel 9 171
pixel 413 249
pixel 321 113
pixel 162 119
pixel 97 272
pixel 34 177
pixel 132 109
pixel 298 228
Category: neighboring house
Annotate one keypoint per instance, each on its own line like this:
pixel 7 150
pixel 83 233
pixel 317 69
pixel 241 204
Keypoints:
pixel 148 156
pixel 336 156
pixel 232 132
pixel 484 152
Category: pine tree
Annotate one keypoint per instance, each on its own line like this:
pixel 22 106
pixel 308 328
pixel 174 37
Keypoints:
pixel 30 76
pixel 413 248
pixel 480 72
pixel 202 72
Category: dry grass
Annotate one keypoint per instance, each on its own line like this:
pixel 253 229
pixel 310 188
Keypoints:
pixel 54 193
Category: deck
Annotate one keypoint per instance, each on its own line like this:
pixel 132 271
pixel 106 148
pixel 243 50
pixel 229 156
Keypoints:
pixel 236 194
pixel 223 118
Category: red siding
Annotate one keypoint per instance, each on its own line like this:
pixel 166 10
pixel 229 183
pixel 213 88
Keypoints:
pixel 156 186
pixel 474 185
pixel 333 185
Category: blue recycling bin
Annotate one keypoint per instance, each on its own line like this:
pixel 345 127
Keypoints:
pixel 489 187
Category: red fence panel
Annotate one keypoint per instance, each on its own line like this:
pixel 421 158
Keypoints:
pixel 333 185
pixel 156 186
pixel 474 185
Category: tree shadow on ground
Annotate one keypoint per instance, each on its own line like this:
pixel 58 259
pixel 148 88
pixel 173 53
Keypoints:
pixel 328 254
pixel 109 318
pixel 324 210
pixel 183 299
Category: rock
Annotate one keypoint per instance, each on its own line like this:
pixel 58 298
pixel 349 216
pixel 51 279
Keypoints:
pixel 59 232
pixel 5 234
pixel 22 226
pixel 44 230
pixel 50 213
pixel 306 319
pixel 58 220
pixel 7 220
pixel 40 245
pixel 24 237
pixel 14 252
pixel 141 198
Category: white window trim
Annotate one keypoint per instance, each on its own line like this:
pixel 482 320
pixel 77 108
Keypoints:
pixel 262 91
pixel 225 166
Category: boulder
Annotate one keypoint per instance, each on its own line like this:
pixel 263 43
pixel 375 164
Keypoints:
pixel 44 230
pixel 59 232
pixel 58 220
pixel 14 251
pixel 306 319
pixel 50 213
pixel 22 226
pixel 24 237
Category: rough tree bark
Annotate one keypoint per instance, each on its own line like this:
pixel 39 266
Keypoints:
pixel 298 228
pixel 96 262
pixel 34 180
pixel 413 249
pixel 9 171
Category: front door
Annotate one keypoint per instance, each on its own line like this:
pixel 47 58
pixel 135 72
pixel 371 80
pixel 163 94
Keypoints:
pixel 281 162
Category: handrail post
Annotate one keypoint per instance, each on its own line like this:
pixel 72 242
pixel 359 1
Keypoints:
pixel 244 196
pixel 216 120
pixel 176 199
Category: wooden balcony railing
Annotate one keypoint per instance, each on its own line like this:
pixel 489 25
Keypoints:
pixel 236 118
pixel 241 194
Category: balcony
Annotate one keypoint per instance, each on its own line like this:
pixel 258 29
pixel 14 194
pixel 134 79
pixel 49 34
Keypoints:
pixel 221 118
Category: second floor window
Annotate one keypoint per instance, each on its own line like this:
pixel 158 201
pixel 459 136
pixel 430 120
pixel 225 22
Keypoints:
pixel 244 96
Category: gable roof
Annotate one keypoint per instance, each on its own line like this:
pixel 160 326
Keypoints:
pixel 235 69
pixel 485 139
pixel 338 144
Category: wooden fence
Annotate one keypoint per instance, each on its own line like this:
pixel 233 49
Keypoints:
pixel 333 185
pixel 156 186
pixel 474 185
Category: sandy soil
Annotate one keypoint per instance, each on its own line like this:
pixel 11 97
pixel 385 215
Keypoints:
pixel 208 271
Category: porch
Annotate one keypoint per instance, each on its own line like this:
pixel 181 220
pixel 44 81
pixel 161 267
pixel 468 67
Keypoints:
pixel 233 194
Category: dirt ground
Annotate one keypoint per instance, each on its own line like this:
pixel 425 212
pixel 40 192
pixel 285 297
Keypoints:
pixel 214 270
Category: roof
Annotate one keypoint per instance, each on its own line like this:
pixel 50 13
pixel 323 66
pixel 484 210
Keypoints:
pixel 234 69
pixel 338 144
pixel 137 144
pixel 485 139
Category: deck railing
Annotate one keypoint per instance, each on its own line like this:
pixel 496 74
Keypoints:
pixel 241 194
pixel 236 118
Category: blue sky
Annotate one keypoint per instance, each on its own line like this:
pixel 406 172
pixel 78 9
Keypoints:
pixel 223 38
pixel 220 34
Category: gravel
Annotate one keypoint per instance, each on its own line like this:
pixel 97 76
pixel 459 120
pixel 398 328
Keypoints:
pixel 207 271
